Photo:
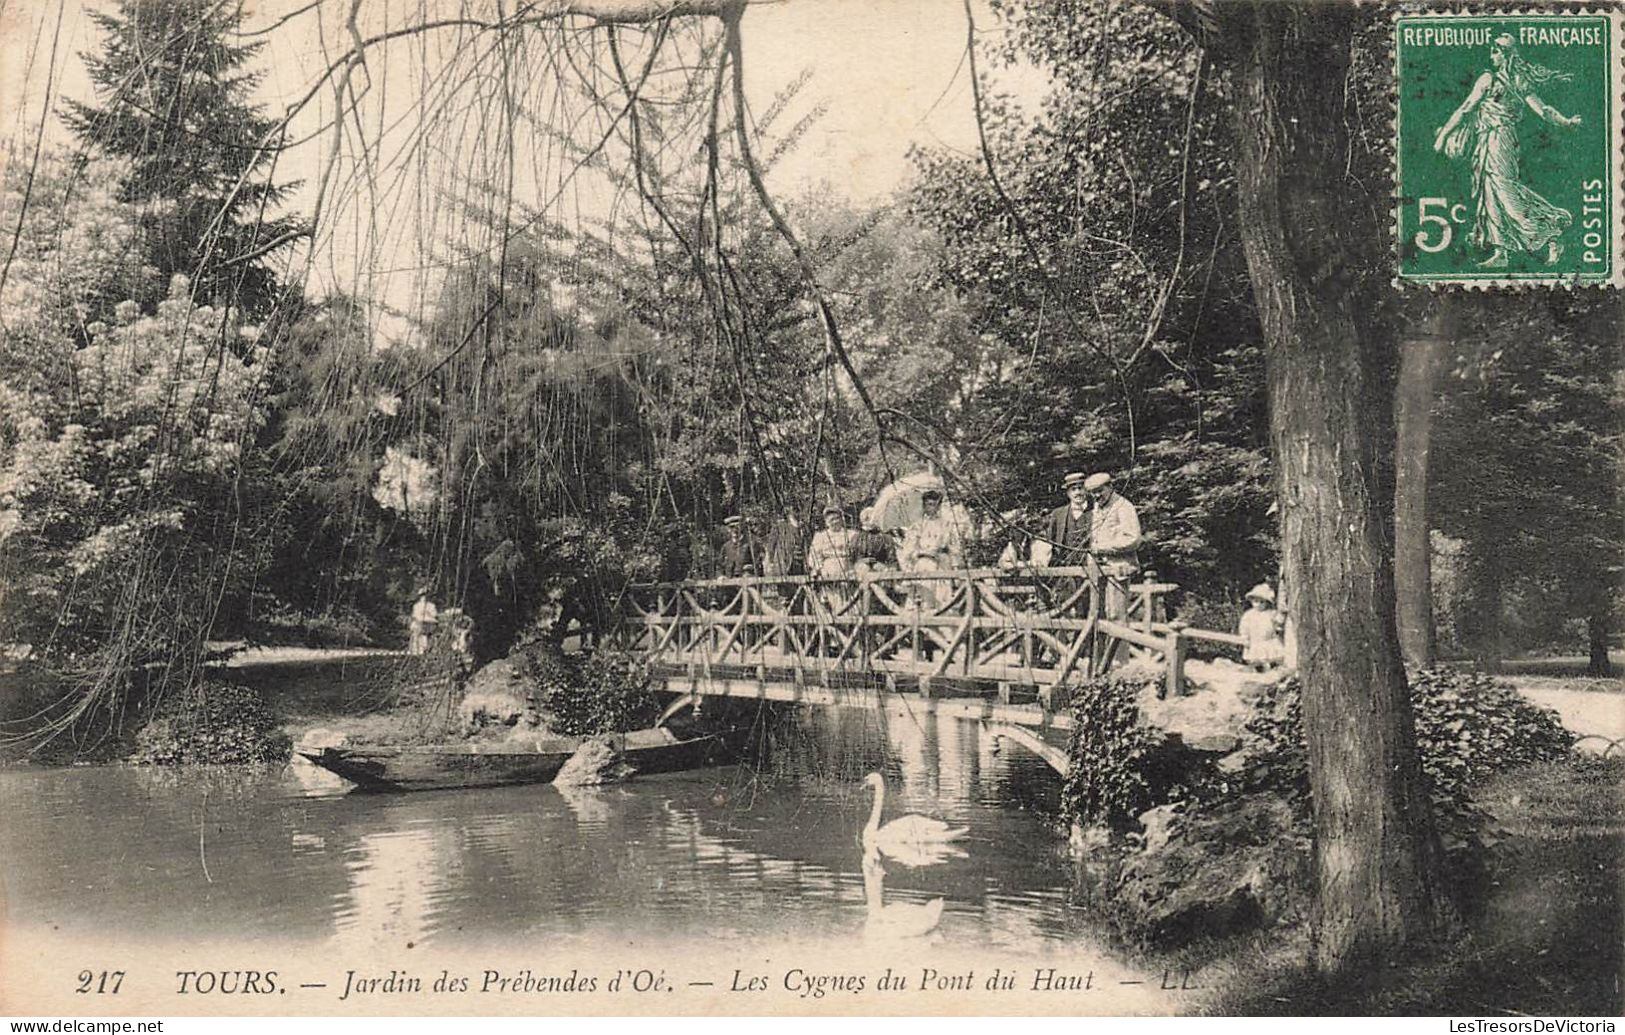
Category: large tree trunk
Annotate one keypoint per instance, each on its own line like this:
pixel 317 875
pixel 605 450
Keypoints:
pixel 1597 663
pixel 1419 356
pixel 1485 633
pixel 1314 253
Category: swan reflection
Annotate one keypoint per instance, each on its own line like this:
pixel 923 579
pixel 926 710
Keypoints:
pixel 896 919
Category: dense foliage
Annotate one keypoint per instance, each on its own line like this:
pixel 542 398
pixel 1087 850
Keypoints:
pixel 1105 263
pixel 603 692
pixel 1529 429
pixel 121 434
pixel 1227 847
pixel 212 724
pixel 1469 727
pixel 1112 776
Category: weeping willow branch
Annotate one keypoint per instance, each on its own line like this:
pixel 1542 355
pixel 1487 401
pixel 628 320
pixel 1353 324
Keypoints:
pixel 1026 234
pixel 39 145
pixel 1159 309
pixel 826 315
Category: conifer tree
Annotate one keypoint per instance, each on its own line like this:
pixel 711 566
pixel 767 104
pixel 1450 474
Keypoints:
pixel 173 96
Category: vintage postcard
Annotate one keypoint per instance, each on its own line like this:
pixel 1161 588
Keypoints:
pixel 810 507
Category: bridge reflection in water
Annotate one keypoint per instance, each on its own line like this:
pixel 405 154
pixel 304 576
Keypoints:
pixel 981 644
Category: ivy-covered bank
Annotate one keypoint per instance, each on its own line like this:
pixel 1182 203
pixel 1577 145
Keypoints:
pixel 1188 832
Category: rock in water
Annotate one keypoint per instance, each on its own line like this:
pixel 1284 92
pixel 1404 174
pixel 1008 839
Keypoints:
pixel 315 740
pixel 595 762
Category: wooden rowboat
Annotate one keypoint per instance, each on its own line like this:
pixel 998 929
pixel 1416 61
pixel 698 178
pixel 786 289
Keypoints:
pixel 433 767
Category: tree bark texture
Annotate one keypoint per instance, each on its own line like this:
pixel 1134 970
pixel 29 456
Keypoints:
pixel 1485 632
pixel 1316 260
pixel 1419 355
pixel 1597 663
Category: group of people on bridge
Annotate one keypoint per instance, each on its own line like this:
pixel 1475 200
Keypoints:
pixel 1096 526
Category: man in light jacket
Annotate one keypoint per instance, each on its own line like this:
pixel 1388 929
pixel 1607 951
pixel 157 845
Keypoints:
pixel 1114 539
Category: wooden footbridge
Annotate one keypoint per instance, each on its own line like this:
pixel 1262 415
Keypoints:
pixel 986 645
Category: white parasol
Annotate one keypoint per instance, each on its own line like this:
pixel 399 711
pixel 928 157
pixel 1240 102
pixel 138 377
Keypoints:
pixel 898 504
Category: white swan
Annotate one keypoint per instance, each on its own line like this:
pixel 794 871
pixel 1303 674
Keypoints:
pixel 900 919
pixel 906 835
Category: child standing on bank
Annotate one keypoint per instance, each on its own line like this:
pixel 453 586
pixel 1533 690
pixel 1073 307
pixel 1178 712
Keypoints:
pixel 1260 628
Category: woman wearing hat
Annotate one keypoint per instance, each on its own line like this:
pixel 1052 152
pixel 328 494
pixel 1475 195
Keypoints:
pixel 1260 628
pixel 830 555
pixel 933 543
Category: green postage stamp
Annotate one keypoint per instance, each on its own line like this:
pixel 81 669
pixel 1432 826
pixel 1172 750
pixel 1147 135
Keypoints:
pixel 1509 146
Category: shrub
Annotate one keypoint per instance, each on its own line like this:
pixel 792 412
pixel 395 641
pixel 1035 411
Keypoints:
pixel 211 724
pixel 1111 775
pixel 1469 727
pixel 607 691
pixel 1238 854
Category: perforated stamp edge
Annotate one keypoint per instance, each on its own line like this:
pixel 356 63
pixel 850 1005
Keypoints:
pixel 1615 14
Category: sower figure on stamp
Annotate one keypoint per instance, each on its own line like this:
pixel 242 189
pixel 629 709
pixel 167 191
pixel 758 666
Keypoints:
pixel 1507 213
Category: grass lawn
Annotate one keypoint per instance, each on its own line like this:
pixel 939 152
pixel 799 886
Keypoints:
pixel 1547 939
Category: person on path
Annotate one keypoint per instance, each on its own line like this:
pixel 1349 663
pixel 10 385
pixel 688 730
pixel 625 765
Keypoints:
pixel 421 626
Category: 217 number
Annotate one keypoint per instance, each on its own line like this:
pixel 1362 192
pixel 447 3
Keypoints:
pixel 98 982
pixel 1425 215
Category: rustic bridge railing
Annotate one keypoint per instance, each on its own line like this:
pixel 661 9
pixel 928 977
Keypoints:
pixel 1035 627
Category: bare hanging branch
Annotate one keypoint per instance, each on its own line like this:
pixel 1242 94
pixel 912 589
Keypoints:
pixel 826 315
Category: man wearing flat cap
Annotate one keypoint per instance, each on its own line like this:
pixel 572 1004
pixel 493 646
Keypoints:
pixel 741 555
pixel 1114 539
pixel 1067 528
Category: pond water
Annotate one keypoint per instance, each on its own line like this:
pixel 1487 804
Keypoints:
pixel 759 854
